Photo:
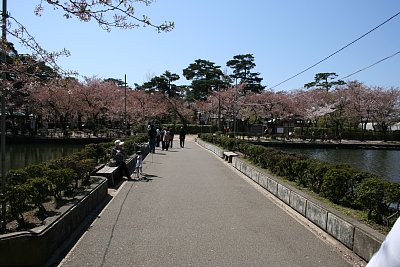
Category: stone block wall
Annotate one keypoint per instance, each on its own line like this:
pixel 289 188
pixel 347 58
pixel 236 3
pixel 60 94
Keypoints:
pixel 360 238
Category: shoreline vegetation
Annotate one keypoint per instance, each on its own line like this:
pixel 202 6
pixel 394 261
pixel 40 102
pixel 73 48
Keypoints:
pixel 358 194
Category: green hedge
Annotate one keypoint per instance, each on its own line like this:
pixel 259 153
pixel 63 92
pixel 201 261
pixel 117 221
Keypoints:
pixel 341 184
pixel 28 188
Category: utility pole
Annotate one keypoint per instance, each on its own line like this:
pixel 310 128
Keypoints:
pixel 3 118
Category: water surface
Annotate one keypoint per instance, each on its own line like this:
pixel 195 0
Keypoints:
pixel 384 163
pixel 21 155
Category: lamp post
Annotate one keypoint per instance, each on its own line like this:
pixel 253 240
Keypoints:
pixel 125 121
pixel 219 109
pixel 234 113
pixel 3 119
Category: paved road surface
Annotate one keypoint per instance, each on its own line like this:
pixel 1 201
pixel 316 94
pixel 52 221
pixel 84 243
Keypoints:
pixel 196 211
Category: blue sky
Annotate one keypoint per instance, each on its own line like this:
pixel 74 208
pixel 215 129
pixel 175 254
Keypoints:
pixel 285 37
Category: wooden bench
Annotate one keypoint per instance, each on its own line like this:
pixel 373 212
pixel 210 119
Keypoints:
pixel 228 155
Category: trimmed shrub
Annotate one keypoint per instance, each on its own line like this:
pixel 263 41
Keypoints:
pixel 315 174
pixel 16 177
pixel 371 196
pixel 98 152
pixel 336 186
pixel 61 180
pixel 392 196
pixel 38 190
pixel 301 171
pixel 16 198
pixel 37 170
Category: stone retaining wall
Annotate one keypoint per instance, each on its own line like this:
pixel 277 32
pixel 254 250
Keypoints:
pixel 34 247
pixel 361 239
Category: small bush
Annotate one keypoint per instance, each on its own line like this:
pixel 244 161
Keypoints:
pixel 335 185
pixel 301 171
pixel 38 191
pixel 371 196
pixel 37 170
pixel 392 196
pixel 16 177
pixel 94 151
pixel 61 180
pixel 17 197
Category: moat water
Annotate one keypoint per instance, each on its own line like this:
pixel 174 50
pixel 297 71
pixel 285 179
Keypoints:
pixel 384 163
pixel 21 155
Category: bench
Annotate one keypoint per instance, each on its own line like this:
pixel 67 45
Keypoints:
pixel 228 155
pixel 113 173
pixel 110 173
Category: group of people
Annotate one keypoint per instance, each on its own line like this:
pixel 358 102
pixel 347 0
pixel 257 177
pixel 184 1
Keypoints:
pixel 156 136
pixel 164 137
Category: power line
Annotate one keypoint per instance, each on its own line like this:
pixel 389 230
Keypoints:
pixel 344 47
pixel 398 52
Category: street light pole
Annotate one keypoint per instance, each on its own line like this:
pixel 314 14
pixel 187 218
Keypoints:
pixel 3 118
pixel 219 108
pixel 234 113
pixel 125 121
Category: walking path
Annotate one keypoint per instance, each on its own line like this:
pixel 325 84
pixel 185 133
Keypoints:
pixel 197 211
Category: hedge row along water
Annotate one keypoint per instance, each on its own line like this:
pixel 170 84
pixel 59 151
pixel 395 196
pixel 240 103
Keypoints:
pixel 341 184
pixel 28 188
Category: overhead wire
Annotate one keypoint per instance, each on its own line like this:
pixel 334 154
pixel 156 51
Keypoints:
pixel 334 53
pixel 379 61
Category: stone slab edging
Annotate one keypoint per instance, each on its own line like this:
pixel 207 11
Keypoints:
pixel 34 247
pixel 360 238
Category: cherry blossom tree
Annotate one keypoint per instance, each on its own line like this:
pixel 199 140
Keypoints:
pixel 339 115
pixel 100 101
pixel 176 106
pixel 55 101
pixel 358 112
pixel 385 108
pixel 229 102
pixel 145 107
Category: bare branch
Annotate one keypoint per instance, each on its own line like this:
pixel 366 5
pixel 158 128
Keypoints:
pixel 107 13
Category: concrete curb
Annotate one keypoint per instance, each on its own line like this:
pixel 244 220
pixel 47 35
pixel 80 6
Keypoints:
pixel 361 239
pixel 34 247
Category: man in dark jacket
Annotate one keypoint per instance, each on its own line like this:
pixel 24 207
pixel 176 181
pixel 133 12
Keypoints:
pixel 182 135
pixel 152 134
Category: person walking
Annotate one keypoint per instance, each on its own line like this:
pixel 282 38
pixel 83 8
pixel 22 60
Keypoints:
pixel 182 136
pixel 162 133
pixel 118 154
pixel 158 137
pixel 165 140
pixel 171 136
pixel 152 134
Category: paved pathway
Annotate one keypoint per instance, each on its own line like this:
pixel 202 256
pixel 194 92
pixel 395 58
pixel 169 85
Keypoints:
pixel 196 211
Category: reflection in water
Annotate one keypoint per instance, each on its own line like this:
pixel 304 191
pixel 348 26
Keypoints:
pixel 21 155
pixel 384 163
